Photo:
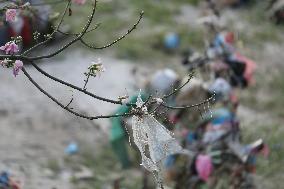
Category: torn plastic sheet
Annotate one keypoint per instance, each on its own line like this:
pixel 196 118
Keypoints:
pixel 153 140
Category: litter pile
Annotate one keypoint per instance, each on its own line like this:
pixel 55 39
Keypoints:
pixel 8 182
pixel 211 133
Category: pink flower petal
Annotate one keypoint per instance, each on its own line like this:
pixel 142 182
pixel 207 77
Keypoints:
pixel 17 67
pixel 11 15
pixel 10 48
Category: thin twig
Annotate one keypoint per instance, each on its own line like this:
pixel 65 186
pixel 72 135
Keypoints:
pixel 86 82
pixel 118 39
pixel 147 100
pixel 180 87
pixel 189 106
pixel 69 102
pixel 76 34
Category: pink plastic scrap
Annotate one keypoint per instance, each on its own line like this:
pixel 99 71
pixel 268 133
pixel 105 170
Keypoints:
pixel 250 68
pixel 265 151
pixel 204 166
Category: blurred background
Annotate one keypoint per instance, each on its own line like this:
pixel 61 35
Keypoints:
pixel 42 146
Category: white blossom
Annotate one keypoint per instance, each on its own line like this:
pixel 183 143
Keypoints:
pixel 159 100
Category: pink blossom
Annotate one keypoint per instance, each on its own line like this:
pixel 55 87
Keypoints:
pixel 10 47
pixel 2 63
pixel 17 67
pixel 79 2
pixel 11 15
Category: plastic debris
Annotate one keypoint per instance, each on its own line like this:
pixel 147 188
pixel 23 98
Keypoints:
pixel 163 81
pixel 153 140
pixel 72 148
pixel 172 41
pixel 204 166
pixel 84 174
pixel 7 182
pixel 4 179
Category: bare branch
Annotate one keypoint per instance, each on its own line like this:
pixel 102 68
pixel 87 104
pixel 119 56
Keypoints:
pixel 180 87
pixel 118 39
pixel 74 40
pixel 78 88
pixel 85 29
pixel 52 34
pixel 190 106
pixel 76 34
pixel 66 107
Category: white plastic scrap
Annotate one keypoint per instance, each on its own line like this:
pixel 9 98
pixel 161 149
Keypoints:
pixel 154 141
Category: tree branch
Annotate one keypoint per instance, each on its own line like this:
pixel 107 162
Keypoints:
pixel 118 39
pixel 77 88
pixel 66 107
pixel 189 106
pixel 180 87
pixel 85 29
pixel 52 34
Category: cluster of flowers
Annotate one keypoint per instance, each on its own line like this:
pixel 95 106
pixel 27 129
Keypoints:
pixel 95 69
pixel 11 13
pixel 11 48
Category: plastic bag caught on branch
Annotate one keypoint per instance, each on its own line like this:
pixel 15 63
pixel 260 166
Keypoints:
pixel 153 140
